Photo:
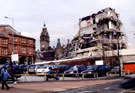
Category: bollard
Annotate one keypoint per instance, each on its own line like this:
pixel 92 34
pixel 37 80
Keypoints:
pixel 63 76
pixel 45 77
pixel 107 74
pixel 115 73
pixel 25 78
pixel 82 76
pixel 96 75
pixel 128 72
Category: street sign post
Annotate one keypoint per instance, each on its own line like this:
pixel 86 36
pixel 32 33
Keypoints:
pixel 14 57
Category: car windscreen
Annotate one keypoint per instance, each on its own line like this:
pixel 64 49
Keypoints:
pixel 72 68
pixel 42 67
pixel 92 67
pixel 32 67
pixel 38 66
pixel 116 68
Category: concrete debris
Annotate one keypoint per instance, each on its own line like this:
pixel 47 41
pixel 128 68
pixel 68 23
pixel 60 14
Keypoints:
pixel 97 33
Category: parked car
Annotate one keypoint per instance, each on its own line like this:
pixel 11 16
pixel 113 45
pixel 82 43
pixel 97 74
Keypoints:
pixel 42 69
pixel 63 68
pixel 23 68
pixel 80 69
pixel 100 69
pixel 115 69
pixel 33 68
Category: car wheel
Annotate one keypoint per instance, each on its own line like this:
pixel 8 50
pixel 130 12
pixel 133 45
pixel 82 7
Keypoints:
pixel 57 77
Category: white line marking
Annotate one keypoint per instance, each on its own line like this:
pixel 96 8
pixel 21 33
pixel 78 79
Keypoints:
pixel 86 91
pixel 107 88
pixel 126 90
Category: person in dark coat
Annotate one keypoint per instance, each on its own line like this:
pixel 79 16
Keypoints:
pixel 9 66
pixel 5 76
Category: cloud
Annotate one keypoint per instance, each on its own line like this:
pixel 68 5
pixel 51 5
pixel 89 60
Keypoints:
pixel 61 16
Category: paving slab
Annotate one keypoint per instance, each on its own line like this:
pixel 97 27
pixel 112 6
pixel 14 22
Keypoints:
pixel 52 87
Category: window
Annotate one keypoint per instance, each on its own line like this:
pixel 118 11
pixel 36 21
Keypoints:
pixel 23 40
pixel 15 49
pixel 30 51
pixel 30 42
pixel 15 39
pixel 4 51
pixel 23 50
pixel 4 41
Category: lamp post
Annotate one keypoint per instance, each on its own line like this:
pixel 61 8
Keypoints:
pixel 117 36
pixel 12 33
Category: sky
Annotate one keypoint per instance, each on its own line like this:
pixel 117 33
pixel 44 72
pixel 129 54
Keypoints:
pixel 62 16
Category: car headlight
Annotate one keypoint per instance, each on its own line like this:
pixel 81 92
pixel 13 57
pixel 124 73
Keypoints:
pixel 71 72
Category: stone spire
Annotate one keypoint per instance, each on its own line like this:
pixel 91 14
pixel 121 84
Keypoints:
pixel 58 44
pixel 58 50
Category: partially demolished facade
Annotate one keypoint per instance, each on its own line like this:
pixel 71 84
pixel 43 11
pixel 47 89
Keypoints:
pixel 98 33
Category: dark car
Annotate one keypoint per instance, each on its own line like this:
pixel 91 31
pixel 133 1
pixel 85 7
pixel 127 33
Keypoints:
pixel 23 68
pixel 115 70
pixel 80 69
pixel 128 84
pixel 64 68
pixel 100 69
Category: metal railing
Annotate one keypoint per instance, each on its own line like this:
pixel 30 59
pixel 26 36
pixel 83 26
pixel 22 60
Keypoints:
pixel 81 76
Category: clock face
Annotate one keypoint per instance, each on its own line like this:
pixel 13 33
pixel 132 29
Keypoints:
pixel 43 45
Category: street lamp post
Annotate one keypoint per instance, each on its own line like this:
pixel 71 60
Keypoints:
pixel 118 54
pixel 12 33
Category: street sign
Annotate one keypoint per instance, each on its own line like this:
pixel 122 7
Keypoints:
pixel 99 62
pixel 14 57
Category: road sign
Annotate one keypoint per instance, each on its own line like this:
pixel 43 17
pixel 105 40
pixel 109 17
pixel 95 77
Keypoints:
pixel 99 62
pixel 14 57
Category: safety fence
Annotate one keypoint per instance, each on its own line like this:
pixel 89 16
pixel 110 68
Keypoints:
pixel 65 76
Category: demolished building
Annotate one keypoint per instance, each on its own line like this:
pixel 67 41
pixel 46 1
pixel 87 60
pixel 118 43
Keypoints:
pixel 98 33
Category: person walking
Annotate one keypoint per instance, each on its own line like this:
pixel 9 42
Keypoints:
pixel 11 72
pixel 9 66
pixel 5 76
pixel 76 71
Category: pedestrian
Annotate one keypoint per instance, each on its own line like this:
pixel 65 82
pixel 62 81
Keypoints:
pixel 75 70
pixel 11 72
pixel 9 66
pixel 5 76
pixel 49 72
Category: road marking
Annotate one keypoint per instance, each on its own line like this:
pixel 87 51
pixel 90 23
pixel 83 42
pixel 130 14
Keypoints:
pixel 107 88
pixel 126 90
pixel 86 91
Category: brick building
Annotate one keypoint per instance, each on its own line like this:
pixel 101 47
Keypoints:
pixel 22 45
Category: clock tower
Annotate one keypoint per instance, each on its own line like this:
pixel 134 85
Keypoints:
pixel 44 39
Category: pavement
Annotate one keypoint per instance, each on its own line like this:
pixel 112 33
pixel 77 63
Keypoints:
pixel 54 86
